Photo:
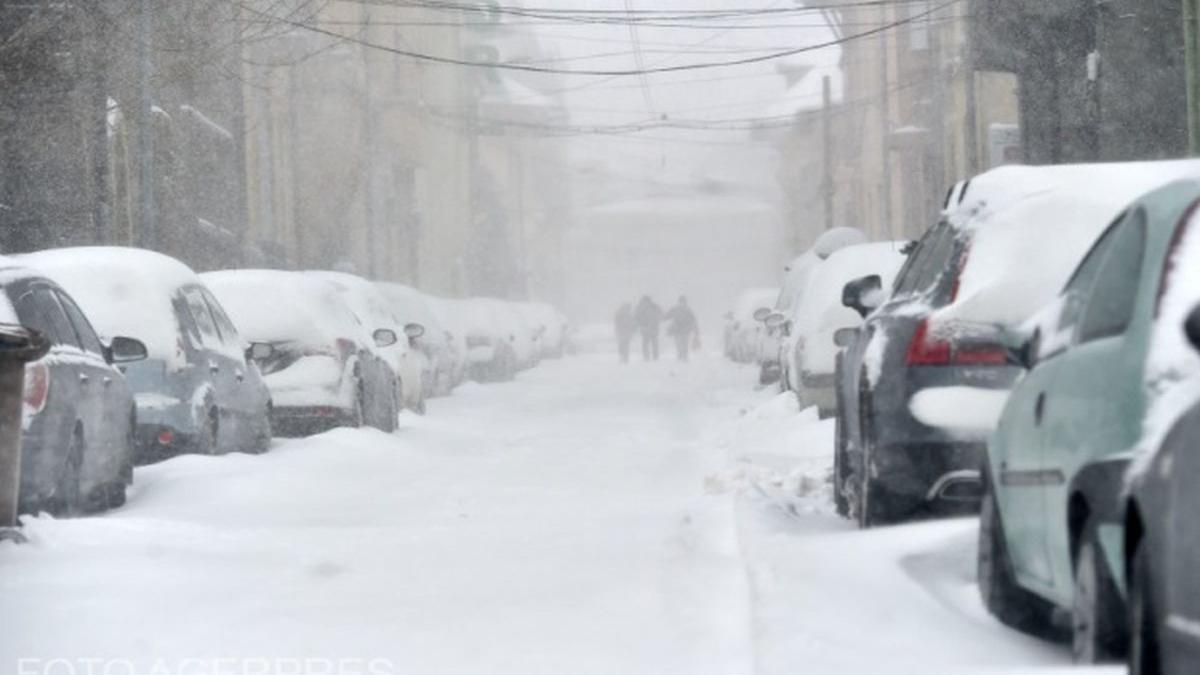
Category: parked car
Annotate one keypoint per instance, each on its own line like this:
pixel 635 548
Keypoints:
pixel 450 317
pixel 820 315
pixel 409 367
pixel 1162 535
pixel 548 325
pixel 914 446
pixel 781 341
pixel 195 391
pixel 78 415
pixel 1051 529
pixel 743 332
pixel 443 361
pixel 491 340
pixel 312 351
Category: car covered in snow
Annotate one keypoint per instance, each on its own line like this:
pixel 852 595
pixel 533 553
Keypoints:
pixel 312 350
pixel 931 369
pixel 821 316
pixel 409 367
pixel 491 339
pixel 743 337
pixel 780 339
pixel 548 325
pixel 195 391
pixel 444 361
pixel 78 415
pixel 1052 527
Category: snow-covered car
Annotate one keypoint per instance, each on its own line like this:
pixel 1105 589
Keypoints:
pixel 1052 525
pixel 820 314
pixel 311 349
pixel 410 367
pixel 444 363
pixel 548 325
pixel 743 332
pixel 448 314
pixel 919 441
pixel 780 340
pixel 490 339
pixel 195 392
pixel 78 414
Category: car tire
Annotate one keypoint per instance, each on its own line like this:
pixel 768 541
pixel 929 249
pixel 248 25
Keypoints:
pixel 1013 605
pixel 1144 655
pixel 1097 633
pixel 68 500
pixel 206 438
pixel 840 502
pixel 114 494
pixel 870 505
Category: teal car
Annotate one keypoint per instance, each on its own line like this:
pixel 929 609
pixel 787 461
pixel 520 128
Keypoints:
pixel 1050 528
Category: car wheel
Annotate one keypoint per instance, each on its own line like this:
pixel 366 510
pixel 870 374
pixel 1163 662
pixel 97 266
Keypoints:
pixel 114 494
pixel 1002 595
pixel 359 414
pixel 1144 655
pixel 68 501
pixel 870 505
pixel 206 440
pixel 262 441
pixel 1096 613
pixel 839 468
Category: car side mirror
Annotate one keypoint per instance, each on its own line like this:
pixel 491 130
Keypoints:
pixel 863 295
pixel 842 337
pixel 260 351
pixel 125 350
pixel 384 337
pixel 1191 327
pixel 762 313
pixel 1022 351
pixel 413 331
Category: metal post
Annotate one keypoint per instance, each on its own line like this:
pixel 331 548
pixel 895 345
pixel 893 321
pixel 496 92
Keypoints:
pixel 1191 36
pixel 368 151
pixel 147 236
pixel 18 346
pixel 827 152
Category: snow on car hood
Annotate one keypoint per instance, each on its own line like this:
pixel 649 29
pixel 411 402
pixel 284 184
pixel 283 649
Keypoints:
pixel 123 291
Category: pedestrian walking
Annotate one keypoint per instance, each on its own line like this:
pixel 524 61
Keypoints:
pixel 648 316
pixel 682 327
pixel 625 328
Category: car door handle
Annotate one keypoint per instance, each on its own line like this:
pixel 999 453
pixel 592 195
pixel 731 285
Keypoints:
pixel 241 376
pixel 84 379
pixel 214 368
pixel 1039 408
pixel 107 381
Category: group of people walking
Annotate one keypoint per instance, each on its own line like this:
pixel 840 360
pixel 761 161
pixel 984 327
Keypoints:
pixel 646 319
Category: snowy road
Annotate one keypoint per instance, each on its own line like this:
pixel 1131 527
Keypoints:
pixel 587 518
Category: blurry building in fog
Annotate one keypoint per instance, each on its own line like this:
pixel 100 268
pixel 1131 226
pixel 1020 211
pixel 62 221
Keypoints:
pixel 397 168
pixel 88 128
pixel 1099 81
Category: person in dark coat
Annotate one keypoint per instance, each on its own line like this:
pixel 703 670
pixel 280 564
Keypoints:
pixel 625 327
pixel 682 326
pixel 648 316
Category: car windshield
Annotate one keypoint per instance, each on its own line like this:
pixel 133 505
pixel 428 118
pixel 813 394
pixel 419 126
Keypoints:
pixel 752 337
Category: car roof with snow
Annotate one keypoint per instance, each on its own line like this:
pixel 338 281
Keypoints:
pixel 123 291
pixel 284 306
pixel 1009 212
pixel 797 272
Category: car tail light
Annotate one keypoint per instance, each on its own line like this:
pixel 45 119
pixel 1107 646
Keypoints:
pixel 37 386
pixel 346 347
pixel 926 349
pixel 166 437
pixel 930 350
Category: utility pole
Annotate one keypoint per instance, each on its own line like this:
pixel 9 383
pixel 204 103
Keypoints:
pixel 147 236
pixel 885 131
pixel 1191 36
pixel 827 151
pixel 368 149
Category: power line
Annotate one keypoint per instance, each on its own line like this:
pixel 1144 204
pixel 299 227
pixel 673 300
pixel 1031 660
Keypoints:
pixel 609 73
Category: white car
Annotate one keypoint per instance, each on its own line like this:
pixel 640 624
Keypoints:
pixel 444 361
pixel 374 311
pixel 744 334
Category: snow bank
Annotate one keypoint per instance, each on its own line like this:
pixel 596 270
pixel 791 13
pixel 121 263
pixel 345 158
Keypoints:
pixel 968 410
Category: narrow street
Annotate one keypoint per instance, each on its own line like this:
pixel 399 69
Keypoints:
pixel 588 518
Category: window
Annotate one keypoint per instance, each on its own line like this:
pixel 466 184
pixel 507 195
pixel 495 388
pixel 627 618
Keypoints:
pixel 83 328
pixel 906 280
pixel 1076 291
pixel 37 309
pixel 229 334
pixel 1110 304
pixel 204 323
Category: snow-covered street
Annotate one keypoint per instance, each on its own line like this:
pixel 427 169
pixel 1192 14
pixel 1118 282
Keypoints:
pixel 587 518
